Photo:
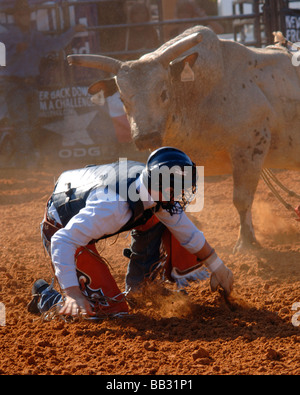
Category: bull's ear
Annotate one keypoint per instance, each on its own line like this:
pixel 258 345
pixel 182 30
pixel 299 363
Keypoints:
pixel 108 86
pixel 177 65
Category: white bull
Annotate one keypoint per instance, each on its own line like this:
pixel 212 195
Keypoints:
pixel 229 107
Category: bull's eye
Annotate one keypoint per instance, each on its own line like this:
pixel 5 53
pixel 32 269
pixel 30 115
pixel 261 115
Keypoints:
pixel 164 95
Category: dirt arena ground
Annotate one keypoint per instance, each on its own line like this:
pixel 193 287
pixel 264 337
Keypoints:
pixel 196 334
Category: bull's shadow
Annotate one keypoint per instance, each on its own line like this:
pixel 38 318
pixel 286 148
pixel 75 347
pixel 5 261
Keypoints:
pixel 276 266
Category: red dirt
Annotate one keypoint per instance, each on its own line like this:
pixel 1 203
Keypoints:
pixel 186 335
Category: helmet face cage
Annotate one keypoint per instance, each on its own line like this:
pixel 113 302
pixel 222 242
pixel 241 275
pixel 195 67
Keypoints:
pixel 182 190
pixel 174 175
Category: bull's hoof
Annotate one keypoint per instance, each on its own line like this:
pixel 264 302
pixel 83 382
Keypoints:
pixel 244 246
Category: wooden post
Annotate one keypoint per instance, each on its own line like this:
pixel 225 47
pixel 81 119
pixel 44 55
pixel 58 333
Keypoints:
pixel 169 12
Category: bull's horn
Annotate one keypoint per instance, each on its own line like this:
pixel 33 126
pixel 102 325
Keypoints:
pixel 179 47
pixel 104 63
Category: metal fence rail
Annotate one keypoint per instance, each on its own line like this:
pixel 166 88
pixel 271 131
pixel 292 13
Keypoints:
pixel 266 16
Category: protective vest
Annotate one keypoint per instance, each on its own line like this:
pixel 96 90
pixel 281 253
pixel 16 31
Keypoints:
pixel 74 186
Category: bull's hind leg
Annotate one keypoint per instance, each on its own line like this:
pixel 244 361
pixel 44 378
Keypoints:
pixel 247 165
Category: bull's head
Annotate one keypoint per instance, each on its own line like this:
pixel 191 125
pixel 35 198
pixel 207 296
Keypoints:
pixel 144 86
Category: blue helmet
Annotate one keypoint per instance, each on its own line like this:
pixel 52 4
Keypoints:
pixel 172 173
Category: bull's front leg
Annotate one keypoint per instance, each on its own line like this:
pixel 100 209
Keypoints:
pixel 247 164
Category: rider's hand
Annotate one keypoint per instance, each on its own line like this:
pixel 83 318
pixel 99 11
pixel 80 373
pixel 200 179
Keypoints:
pixel 220 275
pixel 75 303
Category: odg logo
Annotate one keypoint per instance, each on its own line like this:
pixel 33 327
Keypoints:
pixel 2 55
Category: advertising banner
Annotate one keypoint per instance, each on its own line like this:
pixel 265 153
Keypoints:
pixel 292 25
pixel 79 128
pixel 74 127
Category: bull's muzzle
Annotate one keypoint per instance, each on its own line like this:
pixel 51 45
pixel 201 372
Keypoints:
pixel 148 141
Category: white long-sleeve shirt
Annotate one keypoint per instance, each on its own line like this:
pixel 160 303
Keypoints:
pixel 104 215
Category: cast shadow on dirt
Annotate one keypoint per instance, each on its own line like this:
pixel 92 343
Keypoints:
pixel 220 319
